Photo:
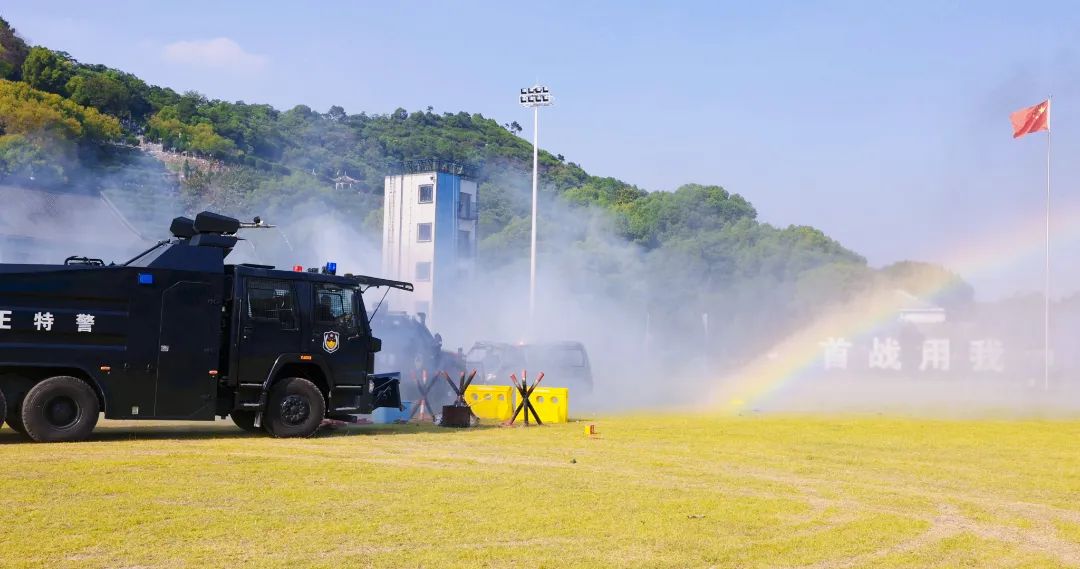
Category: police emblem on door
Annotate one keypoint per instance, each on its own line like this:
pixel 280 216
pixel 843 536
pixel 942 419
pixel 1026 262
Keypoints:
pixel 330 342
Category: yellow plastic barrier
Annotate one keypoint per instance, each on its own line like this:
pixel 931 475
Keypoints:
pixel 551 403
pixel 491 401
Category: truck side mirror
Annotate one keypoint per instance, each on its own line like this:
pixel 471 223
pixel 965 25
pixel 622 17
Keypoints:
pixel 376 344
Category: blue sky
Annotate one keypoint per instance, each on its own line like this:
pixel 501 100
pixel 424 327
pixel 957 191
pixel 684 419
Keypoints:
pixel 884 124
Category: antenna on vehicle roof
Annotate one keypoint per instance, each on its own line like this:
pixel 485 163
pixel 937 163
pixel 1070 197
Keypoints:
pixel 377 306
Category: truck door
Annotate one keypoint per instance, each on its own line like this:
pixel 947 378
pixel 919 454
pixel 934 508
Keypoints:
pixel 337 333
pixel 269 327
pixel 188 349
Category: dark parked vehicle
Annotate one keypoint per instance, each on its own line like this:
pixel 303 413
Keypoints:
pixel 409 346
pixel 175 333
pixel 565 364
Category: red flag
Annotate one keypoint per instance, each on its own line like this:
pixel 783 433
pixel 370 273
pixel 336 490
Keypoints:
pixel 1031 119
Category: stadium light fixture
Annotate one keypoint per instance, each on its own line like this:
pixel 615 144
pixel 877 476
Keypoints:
pixel 534 97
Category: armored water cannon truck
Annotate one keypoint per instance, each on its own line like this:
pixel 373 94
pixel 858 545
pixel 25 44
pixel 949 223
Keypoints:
pixel 176 333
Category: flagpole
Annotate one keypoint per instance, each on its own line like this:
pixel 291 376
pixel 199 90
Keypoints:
pixel 1046 283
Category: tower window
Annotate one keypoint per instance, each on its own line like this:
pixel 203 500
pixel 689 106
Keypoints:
pixel 427 193
pixel 466 210
pixel 423 232
pixel 423 271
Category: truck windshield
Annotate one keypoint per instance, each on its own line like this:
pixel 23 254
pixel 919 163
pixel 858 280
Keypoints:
pixel 336 305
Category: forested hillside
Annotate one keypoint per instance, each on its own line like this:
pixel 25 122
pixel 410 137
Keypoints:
pixel 66 123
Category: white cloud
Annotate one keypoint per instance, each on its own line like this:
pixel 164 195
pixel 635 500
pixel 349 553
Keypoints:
pixel 217 53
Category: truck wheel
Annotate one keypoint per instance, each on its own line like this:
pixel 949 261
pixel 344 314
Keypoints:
pixel 296 408
pixel 14 416
pixel 246 421
pixel 60 409
pixel 14 420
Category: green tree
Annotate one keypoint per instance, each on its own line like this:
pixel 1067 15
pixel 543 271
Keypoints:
pixel 47 70
pixel 42 134
pixel 336 113
pixel 30 111
pixel 606 192
pixel 660 216
pixel 13 52
pixel 102 92
pixel 202 139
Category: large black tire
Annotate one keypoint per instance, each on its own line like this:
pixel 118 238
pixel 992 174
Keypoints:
pixel 246 421
pixel 14 420
pixel 296 408
pixel 60 409
pixel 15 390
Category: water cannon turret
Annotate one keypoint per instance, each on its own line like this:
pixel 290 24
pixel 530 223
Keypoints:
pixel 182 228
pixel 209 222
pixel 215 230
pixel 199 244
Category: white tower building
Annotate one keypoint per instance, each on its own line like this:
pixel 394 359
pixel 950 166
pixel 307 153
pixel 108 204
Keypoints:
pixel 429 235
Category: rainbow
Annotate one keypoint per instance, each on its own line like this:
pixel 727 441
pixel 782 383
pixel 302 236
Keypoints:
pixel 799 356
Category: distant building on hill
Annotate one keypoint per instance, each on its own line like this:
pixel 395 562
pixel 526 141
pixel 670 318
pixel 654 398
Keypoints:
pixel 429 234
pixel 342 181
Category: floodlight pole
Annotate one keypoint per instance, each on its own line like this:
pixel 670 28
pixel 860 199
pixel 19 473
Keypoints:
pixel 1046 274
pixel 535 191
pixel 536 96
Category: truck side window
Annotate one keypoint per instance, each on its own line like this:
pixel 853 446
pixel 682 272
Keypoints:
pixel 334 305
pixel 270 300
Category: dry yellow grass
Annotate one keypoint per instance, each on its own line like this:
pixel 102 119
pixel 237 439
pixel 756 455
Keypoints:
pixel 651 491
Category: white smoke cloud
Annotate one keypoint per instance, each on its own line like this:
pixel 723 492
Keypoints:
pixel 217 53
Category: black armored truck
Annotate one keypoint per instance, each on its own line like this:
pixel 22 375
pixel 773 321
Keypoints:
pixel 175 333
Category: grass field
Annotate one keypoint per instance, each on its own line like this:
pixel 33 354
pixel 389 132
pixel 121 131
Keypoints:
pixel 650 491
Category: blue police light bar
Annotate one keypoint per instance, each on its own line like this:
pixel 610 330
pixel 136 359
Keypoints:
pixel 146 279
pixel 331 268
